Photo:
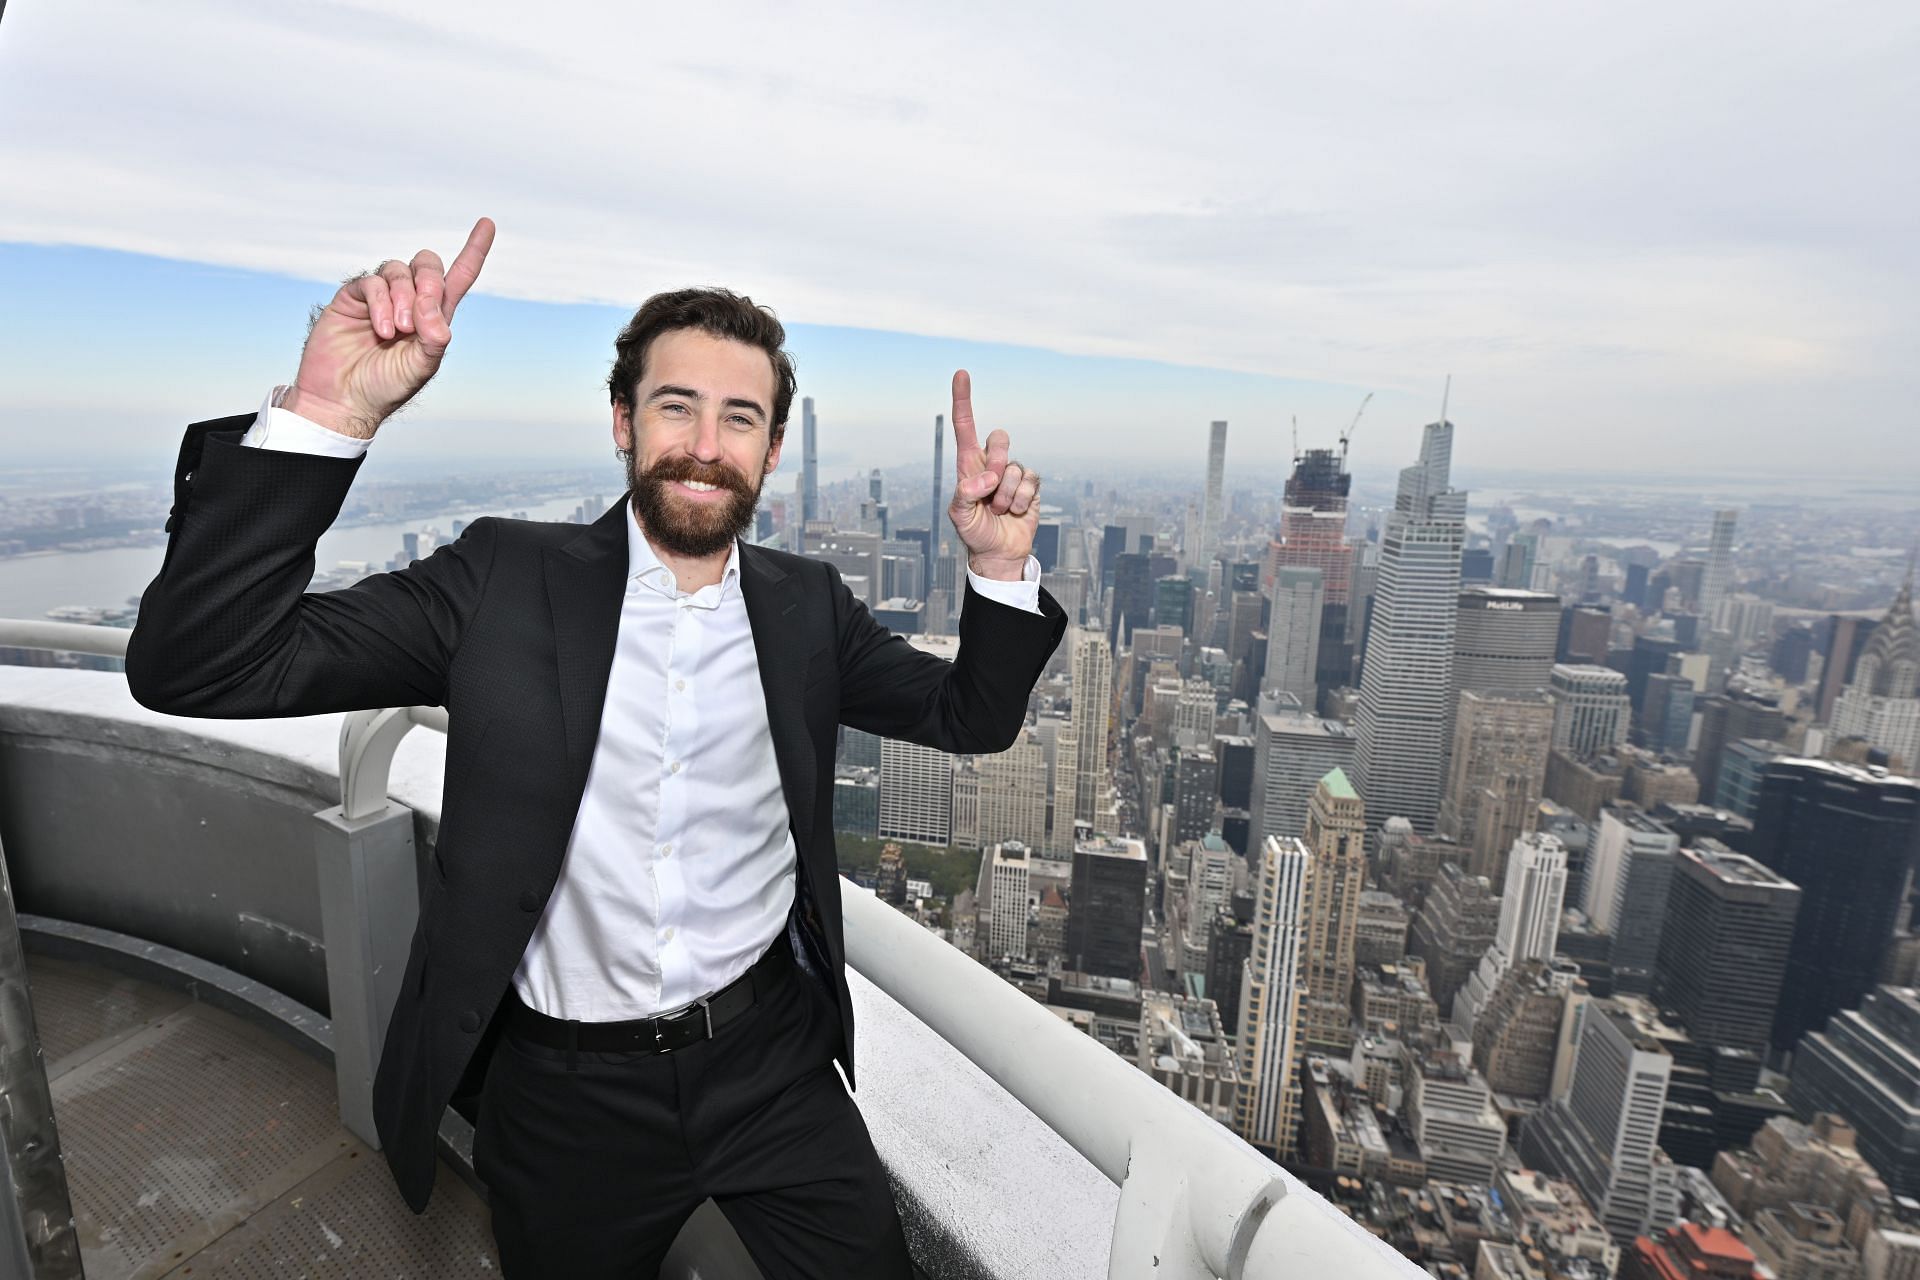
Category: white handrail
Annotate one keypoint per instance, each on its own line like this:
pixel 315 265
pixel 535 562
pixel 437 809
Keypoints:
pixel 368 740
pixel 1195 1201
pixel 64 637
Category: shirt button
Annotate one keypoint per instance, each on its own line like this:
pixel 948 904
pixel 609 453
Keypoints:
pixel 666 851
pixel 679 684
pixel 676 766
pixel 667 934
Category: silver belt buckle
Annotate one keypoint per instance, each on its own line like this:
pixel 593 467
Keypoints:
pixel 706 1012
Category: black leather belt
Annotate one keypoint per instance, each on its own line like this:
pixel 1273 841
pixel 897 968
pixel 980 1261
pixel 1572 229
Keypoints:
pixel 665 1032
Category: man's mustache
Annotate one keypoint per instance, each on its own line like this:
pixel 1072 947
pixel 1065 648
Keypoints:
pixel 682 467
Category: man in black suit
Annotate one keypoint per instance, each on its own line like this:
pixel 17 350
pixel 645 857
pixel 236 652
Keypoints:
pixel 631 928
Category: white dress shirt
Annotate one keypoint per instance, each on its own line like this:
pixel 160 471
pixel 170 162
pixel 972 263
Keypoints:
pixel 680 869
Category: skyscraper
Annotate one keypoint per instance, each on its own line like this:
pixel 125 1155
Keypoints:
pixel 916 793
pixel 1629 876
pixel 809 463
pixel 1173 603
pixel 1196 779
pixel 1497 775
pixel 1719 574
pixel 1529 924
pixel 1848 837
pixel 1864 1065
pixel 1603 1135
pixel 1292 751
pixel 1504 641
pixel 916 782
pixel 1013 794
pixel 1269 1103
pixel 1518 565
pixel 1516 1032
pixel 1293 633
pixel 1007 877
pixel 1591 709
pixel 1453 929
pixel 1723 951
pixel 1401 722
pixel 1845 637
pixel 1530 904
pixel 1882 704
pixel 1092 710
pixel 934 512
pixel 1313 524
pixel 1211 512
pixel 1106 904
pixel 1131 605
pixel 1337 836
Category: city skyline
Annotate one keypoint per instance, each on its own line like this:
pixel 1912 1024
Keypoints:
pixel 1464 739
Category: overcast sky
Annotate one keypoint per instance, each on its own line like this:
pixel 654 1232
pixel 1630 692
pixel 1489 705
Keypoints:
pixel 1636 234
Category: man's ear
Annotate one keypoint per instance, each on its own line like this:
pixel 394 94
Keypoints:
pixel 773 456
pixel 622 424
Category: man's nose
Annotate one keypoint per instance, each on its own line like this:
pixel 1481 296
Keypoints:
pixel 706 439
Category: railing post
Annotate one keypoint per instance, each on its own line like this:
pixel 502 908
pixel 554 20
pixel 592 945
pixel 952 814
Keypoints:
pixel 37 1236
pixel 369 902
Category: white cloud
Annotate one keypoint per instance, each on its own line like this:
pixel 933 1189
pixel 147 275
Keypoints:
pixel 1680 229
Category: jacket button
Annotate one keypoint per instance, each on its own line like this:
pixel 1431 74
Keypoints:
pixel 469 1021
pixel 529 901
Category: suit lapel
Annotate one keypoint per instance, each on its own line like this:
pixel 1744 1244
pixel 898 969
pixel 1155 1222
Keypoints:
pixel 773 599
pixel 586 580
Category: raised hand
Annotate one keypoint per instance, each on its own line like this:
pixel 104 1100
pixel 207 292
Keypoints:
pixel 996 502
pixel 382 337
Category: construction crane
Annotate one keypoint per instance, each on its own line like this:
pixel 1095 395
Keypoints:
pixel 1347 435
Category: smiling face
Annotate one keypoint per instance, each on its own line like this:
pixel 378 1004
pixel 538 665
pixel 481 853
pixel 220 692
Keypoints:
pixel 699 432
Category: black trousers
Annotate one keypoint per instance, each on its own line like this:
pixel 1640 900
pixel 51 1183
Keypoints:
pixel 592 1171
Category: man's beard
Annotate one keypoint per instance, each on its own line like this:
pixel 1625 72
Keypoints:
pixel 686 526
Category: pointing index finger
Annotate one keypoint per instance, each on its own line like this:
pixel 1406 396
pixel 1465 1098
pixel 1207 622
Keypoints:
pixel 967 459
pixel 466 267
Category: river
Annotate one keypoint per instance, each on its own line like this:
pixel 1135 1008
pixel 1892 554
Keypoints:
pixel 31 585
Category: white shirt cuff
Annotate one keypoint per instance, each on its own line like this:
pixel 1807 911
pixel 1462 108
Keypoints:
pixel 1024 594
pixel 287 431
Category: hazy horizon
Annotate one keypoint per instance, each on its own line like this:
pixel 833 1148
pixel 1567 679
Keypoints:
pixel 1694 254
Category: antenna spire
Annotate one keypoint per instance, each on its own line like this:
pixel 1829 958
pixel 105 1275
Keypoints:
pixel 1445 395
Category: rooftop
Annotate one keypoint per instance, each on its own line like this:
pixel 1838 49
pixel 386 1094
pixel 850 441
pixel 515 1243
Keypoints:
pixel 1338 786
pixel 1306 724
pixel 1735 868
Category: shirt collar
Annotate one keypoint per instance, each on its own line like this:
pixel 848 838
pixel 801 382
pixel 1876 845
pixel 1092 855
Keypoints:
pixel 644 564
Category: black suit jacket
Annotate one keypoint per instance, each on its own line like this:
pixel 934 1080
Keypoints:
pixel 512 629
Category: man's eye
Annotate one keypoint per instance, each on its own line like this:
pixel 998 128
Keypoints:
pixel 673 407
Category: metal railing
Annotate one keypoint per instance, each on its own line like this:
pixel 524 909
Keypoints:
pixel 1195 1200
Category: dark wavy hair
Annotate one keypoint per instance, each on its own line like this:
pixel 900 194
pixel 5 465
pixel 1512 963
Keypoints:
pixel 720 312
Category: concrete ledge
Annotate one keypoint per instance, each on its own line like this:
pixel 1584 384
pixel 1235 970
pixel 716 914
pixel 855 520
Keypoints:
pixel 986 1190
